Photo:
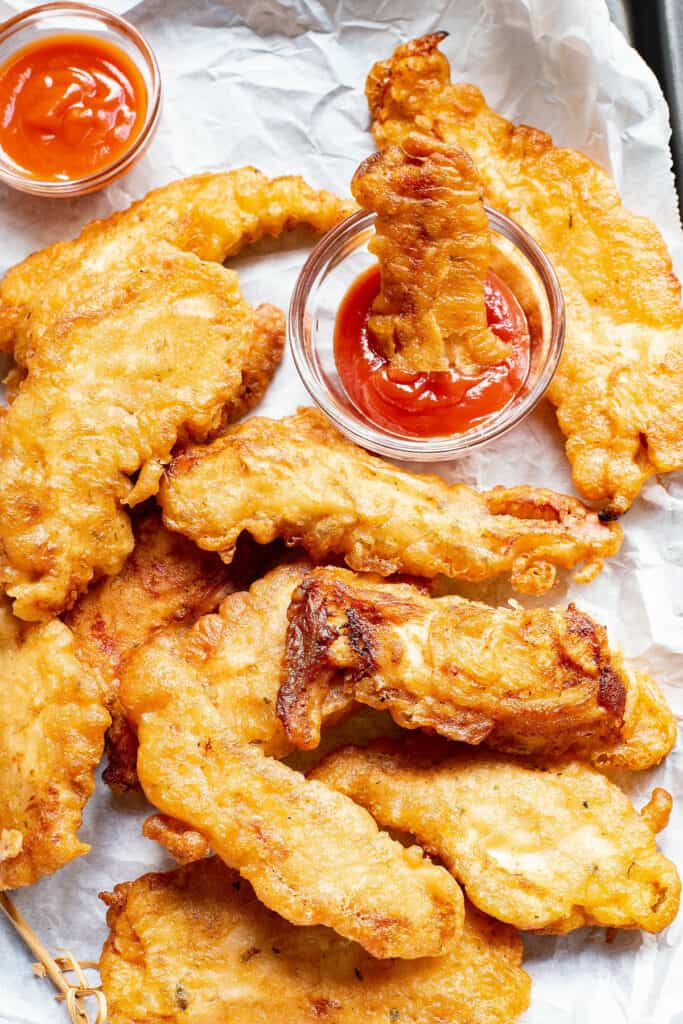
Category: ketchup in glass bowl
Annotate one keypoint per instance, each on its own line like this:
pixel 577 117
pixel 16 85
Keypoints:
pixel 426 417
pixel 428 404
pixel 79 98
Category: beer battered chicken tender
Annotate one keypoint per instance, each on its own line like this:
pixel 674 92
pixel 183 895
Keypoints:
pixel 52 726
pixel 434 249
pixel 546 848
pixel 195 945
pixel 132 336
pixel 299 479
pixel 165 579
pixel 534 681
pixel 203 700
pixel 619 386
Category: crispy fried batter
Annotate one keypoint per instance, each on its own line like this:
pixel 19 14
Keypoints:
pixel 360 726
pixel 299 479
pixel 237 652
pixel 203 700
pixel 212 216
pixel 547 848
pixel 52 726
pixel 618 389
pixel 536 681
pixel 184 843
pixel 165 579
pixel 649 731
pixel 434 248
pixel 260 361
pixel 131 340
pixel 195 945
pixel 657 810
pixel 112 393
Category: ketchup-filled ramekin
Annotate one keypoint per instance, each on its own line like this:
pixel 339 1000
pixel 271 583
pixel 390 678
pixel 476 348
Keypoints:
pixel 341 257
pixel 79 87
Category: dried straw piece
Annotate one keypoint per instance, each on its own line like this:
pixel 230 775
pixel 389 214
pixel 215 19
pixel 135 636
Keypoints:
pixel 57 968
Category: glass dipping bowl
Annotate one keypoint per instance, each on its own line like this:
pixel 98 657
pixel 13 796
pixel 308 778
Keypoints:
pixel 332 267
pixel 66 18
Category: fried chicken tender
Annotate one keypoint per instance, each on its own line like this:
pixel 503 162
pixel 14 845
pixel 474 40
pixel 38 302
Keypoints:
pixel 238 652
pixel 536 681
pixel 203 700
pixel 212 216
pixel 195 945
pixel 618 389
pixel 299 479
pixel 166 579
pixel 52 726
pixel 547 848
pixel 131 340
pixel 434 248
pixel 359 726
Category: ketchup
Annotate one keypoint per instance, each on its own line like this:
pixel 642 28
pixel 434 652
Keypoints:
pixel 70 105
pixel 428 404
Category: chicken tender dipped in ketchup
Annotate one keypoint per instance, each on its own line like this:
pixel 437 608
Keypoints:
pixel 430 341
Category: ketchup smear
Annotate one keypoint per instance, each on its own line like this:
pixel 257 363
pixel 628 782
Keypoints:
pixel 70 105
pixel 428 404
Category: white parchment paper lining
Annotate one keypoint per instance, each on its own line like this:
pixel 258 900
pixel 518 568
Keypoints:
pixel 279 83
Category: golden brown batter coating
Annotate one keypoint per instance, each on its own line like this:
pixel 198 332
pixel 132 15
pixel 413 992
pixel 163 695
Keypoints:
pixel 649 730
pixel 260 361
pixel 196 946
pixel 434 248
pixel 299 479
pixel 548 847
pixel 618 390
pixel 527 681
pixel 132 340
pixel 184 843
pixel 203 701
pixel 52 726
pixel 212 216
pixel 165 579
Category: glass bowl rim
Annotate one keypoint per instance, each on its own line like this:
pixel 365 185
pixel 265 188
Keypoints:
pixel 374 437
pixel 122 27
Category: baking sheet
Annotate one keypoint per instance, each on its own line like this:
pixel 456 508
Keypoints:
pixel 279 83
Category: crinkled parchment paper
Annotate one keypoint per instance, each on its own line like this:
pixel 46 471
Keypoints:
pixel 279 83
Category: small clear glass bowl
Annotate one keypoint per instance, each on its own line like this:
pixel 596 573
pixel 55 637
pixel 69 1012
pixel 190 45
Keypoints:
pixel 334 264
pixel 59 18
